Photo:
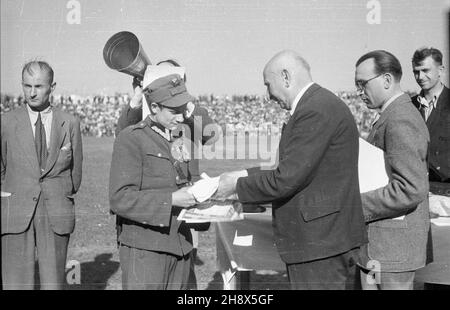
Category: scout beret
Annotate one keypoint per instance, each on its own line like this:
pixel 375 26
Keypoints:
pixel 169 91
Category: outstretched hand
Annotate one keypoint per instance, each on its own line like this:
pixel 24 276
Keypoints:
pixel 183 198
pixel 227 184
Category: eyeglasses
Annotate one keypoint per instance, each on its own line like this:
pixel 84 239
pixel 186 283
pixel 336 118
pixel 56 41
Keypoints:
pixel 361 85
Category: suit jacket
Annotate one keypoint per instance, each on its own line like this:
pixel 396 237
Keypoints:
pixel 399 245
pixel 141 182
pixel 316 204
pixel 21 175
pixel 438 124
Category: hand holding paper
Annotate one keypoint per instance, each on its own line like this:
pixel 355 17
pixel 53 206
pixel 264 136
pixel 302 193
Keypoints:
pixel 183 198
pixel 203 189
pixel 227 183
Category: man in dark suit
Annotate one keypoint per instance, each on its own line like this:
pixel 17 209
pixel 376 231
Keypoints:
pixel 41 165
pixel 434 104
pixel 314 191
pixel 396 214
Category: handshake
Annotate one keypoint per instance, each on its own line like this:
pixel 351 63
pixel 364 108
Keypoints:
pixel 219 188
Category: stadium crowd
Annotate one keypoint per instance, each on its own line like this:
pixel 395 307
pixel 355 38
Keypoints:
pixel 249 113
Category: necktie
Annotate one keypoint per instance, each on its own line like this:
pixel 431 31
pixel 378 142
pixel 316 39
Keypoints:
pixel 40 142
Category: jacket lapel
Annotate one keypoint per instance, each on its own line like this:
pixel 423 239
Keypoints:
pixel 56 139
pixel 24 134
pixel 383 117
pixel 285 130
pixel 309 92
pixel 442 100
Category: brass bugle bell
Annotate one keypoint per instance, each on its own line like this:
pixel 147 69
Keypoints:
pixel 124 53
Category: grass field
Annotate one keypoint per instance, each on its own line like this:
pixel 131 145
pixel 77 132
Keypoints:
pixel 93 243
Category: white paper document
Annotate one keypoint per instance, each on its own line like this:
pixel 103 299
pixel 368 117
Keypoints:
pixel 242 240
pixel 439 205
pixel 5 194
pixel 371 167
pixel 441 221
pixel 213 211
pixel 204 188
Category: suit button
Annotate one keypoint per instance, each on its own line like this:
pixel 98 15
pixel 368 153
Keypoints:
pixel 438 168
pixel 159 154
pixel 437 153
pixel 177 178
pixel 35 199
pixel 41 180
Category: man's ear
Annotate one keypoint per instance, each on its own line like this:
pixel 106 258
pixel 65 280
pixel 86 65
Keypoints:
pixel 154 108
pixel 388 80
pixel 286 78
pixel 441 70
pixel 53 86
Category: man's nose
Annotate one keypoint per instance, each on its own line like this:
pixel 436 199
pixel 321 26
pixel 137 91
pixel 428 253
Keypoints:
pixel 33 92
pixel 421 75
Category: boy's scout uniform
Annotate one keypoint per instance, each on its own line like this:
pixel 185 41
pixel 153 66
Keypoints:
pixel 154 245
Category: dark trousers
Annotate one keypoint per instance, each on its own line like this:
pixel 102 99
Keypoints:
pixel 149 270
pixel 19 255
pixel 332 273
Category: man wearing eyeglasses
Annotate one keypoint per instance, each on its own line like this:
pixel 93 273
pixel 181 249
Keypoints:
pixel 397 214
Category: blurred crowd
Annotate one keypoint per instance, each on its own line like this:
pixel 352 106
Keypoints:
pixel 249 113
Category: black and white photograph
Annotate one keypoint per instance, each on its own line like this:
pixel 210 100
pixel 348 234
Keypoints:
pixel 239 148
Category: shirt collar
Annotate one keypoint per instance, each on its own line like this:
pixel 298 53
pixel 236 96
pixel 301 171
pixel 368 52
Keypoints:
pixel 159 129
pixel 298 97
pixel 34 114
pixel 384 107
pixel 46 110
pixel 423 101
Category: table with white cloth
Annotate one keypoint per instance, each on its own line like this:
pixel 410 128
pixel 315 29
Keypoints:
pixel 246 245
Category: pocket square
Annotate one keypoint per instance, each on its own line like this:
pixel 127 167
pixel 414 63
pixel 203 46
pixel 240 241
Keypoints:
pixel 66 147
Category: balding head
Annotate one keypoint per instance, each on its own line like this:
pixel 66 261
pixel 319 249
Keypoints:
pixel 285 75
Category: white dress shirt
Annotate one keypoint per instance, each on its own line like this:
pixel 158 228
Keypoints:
pixel 46 118
pixel 298 97
pixel 384 107
pixel 429 105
